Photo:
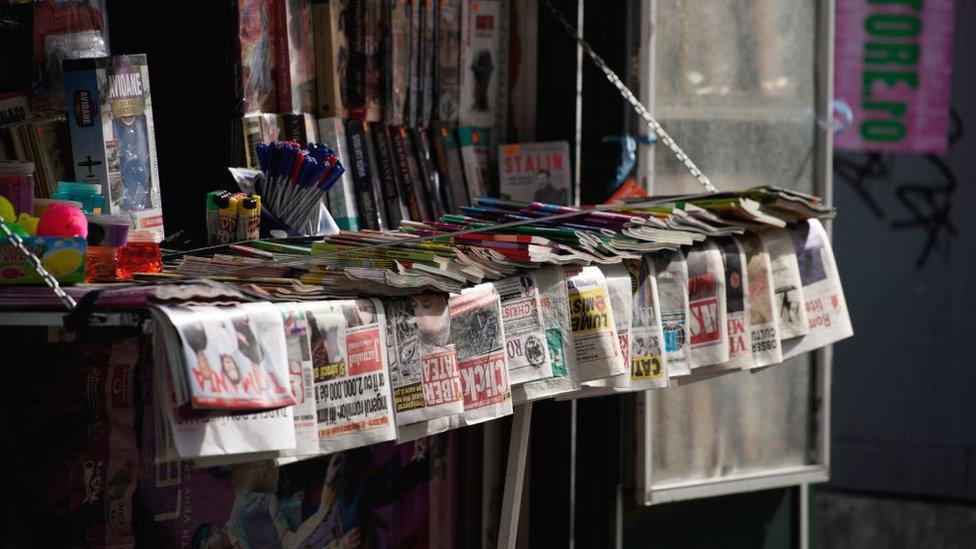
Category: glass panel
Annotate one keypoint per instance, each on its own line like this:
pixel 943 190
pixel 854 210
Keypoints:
pixel 734 84
pixel 739 423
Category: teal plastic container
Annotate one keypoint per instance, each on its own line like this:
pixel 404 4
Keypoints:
pixel 89 194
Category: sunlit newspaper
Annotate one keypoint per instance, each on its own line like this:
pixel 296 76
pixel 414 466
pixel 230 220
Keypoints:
pixel 230 357
pixel 476 330
pixel 619 289
pixel 525 337
pixel 423 361
pixel 706 306
pixel 672 285
pixel 354 405
pixel 554 305
pixel 824 302
pixel 648 364
pixel 598 352
pixel 786 283
pixel 763 317
pixel 187 433
pixel 299 350
pixel 736 305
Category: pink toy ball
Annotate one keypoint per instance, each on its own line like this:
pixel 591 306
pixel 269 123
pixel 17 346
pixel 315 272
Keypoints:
pixel 63 220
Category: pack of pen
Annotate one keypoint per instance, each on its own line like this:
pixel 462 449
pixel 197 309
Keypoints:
pixel 295 182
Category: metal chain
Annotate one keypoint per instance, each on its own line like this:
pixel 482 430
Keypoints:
pixel 662 135
pixel 49 279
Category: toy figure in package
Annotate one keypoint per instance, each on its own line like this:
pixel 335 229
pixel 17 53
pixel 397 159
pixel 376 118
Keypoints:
pixel 111 125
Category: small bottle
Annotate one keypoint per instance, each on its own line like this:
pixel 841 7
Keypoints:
pixel 89 194
pixel 140 255
pixel 102 264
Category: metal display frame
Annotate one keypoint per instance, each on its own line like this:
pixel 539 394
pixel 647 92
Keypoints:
pixel 646 491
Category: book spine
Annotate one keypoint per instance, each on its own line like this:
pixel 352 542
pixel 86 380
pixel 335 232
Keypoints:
pixel 428 175
pixel 430 61
pixel 375 37
pixel 449 165
pixel 252 136
pixel 408 179
pixel 279 32
pixel 341 197
pixel 376 182
pixel 448 59
pixel 476 159
pixel 413 67
pixel 294 128
pixel 386 168
pixel 366 206
pixel 356 68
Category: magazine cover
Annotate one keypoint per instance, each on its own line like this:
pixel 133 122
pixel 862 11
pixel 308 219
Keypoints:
pixel 535 172
pixel 301 62
pixel 259 88
pixel 350 373
pixel 233 358
pixel 480 30
pixel 423 361
pixel 478 337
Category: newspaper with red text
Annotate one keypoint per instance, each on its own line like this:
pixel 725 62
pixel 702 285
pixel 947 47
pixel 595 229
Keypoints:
pixel 423 361
pixel 478 336
pixel 354 404
pixel 824 302
pixel 706 306
pixel 736 305
pixel 231 357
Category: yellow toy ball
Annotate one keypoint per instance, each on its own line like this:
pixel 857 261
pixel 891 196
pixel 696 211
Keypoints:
pixel 28 223
pixel 7 212
pixel 63 261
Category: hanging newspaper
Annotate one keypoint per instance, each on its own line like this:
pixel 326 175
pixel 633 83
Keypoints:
pixel 786 283
pixel 300 378
pixel 736 305
pixel 598 352
pixel 554 305
pixel 352 389
pixel 763 317
pixel 672 284
pixel 423 362
pixel 619 289
pixel 525 338
pixel 230 358
pixel 648 367
pixel 823 296
pixel 706 306
pixel 476 330
pixel 187 433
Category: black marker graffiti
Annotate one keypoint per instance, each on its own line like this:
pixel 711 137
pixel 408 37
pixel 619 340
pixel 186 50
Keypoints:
pixel 929 204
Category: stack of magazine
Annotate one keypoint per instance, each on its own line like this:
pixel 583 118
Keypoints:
pixel 466 317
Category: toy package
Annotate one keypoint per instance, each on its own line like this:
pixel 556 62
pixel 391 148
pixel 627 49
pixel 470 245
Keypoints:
pixel 112 141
